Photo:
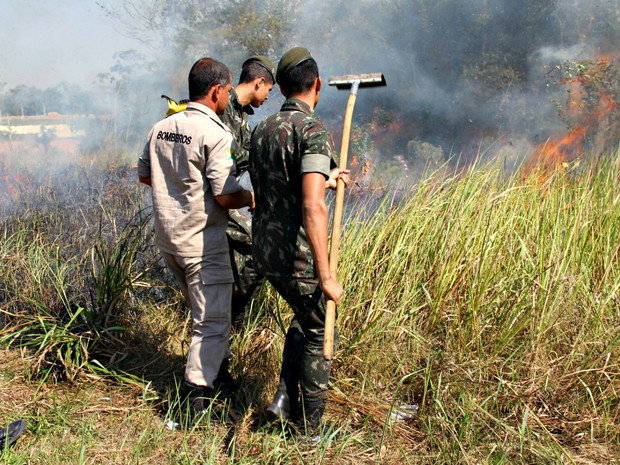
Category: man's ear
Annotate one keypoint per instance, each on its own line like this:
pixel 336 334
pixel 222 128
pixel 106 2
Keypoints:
pixel 318 84
pixel 215 95
pixel 259 82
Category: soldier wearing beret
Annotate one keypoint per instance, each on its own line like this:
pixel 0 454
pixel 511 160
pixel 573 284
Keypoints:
pixel 291 166
pixel 255 83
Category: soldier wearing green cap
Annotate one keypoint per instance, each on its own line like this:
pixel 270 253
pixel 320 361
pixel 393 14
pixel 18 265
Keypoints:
pixel 255 82
pixel 291 166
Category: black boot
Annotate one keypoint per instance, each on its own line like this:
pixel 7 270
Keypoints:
pixel 285 404
pixel 9 434
pixel 309 424
pixel 200 397
pixel 224 384
pixel 280 407
pixel 310 420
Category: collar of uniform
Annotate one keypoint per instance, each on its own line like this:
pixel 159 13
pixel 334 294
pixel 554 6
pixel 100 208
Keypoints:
pixel 203 109
pixel 207 111
pixel 234 98
pixel 294 104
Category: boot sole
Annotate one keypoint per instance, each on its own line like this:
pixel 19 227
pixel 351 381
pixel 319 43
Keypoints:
pixel 276 414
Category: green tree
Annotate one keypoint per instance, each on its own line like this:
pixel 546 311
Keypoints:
pixel 227 30
pixel 22 100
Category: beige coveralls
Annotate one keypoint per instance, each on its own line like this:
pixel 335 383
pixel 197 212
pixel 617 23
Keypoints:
pixel 188 157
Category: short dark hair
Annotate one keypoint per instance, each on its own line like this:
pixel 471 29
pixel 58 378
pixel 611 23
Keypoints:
pixel 300 78
pixel 206 73
pixel 252 70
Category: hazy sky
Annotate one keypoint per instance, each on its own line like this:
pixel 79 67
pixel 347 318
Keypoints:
pixel 43 42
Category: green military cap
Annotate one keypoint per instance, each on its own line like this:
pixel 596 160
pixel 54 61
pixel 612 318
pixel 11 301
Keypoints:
pixel 265 63
pixel 290 59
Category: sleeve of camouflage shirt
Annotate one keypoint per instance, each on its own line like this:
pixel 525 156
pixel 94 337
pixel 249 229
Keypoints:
pixel 240 128
pixel 219 163
pixel 317 149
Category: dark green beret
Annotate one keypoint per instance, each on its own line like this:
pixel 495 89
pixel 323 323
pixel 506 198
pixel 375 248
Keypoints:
pixel 290 59
pixel 265 63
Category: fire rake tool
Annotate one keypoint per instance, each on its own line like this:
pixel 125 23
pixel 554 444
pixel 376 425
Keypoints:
pixel 353 82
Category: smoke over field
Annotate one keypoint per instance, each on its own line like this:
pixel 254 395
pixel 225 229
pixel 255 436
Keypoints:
pixel 466 78
pixel 517 81
pixel 476 76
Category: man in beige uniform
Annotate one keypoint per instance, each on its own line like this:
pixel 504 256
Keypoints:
pixel 188 163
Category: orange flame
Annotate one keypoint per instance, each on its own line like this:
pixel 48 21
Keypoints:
pixel 587 118
pixel 555 153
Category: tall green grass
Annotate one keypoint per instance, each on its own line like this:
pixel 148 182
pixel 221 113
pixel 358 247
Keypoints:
pixel 496 302
pixel 490 301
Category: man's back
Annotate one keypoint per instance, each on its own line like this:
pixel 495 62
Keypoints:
pixel 189 163
pixel 284 147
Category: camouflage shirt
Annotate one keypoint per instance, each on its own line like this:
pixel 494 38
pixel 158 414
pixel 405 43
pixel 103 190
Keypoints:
pixel 236 118
pixel 285 146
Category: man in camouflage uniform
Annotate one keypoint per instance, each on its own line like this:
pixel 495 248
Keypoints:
pixel 291 166
pixel 255 82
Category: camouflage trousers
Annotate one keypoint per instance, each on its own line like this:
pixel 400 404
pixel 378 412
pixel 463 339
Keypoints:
pixel 303 346
pixel 247 279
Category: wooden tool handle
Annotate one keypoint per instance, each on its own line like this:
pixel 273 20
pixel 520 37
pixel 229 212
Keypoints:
pixel 330 314
pixel 330 323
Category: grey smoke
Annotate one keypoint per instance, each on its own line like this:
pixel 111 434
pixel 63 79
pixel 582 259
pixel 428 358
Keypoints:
pixel 429 51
